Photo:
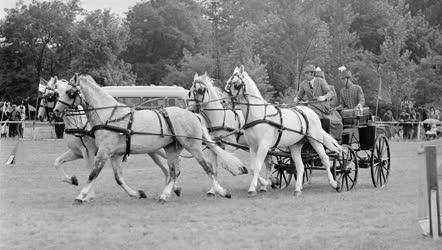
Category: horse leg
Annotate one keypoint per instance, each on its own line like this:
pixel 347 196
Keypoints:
pixel 118 173
pixel 156 158
pixel 256 164
pixel 99 162
pixel 211 157
pixel 195 150
pixel 172 153
pixel 319 148
pixel 268 174
pixel 66 157
pixel 89 160
pixel 295 151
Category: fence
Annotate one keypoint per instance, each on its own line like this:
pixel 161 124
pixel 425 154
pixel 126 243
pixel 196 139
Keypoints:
pixel 428 190
pixel 32 130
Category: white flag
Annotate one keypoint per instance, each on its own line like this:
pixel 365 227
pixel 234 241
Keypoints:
pixel 41 88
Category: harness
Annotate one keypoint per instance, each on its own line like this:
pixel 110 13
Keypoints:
pixel 279 125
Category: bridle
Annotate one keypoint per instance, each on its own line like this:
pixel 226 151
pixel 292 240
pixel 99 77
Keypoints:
pixel 200 91
pixel 73 94
pixel 237 86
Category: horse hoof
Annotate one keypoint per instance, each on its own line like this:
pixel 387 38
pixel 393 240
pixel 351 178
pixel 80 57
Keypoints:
pixel 77 202
pixel 74 181
pixel 210 194
pixel 338 188
pixel 297 193
pixel 142 194
pixel 263 190
pixel 244 170
pixel 228 196
pixel 161 201
pixel 177 191
pixel 251 193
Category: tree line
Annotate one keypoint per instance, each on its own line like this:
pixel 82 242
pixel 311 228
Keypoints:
pixel 164 42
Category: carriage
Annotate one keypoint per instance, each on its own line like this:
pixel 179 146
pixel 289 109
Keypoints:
pixel 365 146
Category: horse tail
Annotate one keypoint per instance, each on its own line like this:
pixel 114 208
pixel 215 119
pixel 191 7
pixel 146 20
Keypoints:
pixel 231 162
pixel 330 142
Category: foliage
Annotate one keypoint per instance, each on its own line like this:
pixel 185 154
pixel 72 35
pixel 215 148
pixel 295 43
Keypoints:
pixel 396 42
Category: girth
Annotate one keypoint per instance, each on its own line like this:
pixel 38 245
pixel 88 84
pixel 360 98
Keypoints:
pixel 279 125
pixel 128 132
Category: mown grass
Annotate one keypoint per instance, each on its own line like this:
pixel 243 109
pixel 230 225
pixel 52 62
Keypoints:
pixel 36 210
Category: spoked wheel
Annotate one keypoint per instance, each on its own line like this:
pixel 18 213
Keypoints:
pixel 380 162
pixel 284 166
pixel 345 169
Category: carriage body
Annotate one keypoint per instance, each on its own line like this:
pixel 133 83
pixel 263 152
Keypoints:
pixel 364 146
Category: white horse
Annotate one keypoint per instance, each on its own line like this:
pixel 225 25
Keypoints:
pixel 268 126
pixel 80 145
pixel 222 123
pixel 119 130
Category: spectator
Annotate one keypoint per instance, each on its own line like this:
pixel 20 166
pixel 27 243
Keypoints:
pixel 15 116
pixel 413 118
pixel 404 117
pixel 388 116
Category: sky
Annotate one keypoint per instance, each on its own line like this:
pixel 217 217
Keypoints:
pixel 117 6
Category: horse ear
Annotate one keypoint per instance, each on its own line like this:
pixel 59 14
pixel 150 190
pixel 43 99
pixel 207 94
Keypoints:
pixel 195 76
pixel 205 73
pixel 55 78
pixel 241 69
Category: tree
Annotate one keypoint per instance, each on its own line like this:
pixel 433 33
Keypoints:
pixel 159 31
pixel 182 74
pixel 101 37
pixel 32 35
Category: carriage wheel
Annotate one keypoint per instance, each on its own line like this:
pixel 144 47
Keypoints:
pixel 380 162
pixel 282 169
pixel 345 169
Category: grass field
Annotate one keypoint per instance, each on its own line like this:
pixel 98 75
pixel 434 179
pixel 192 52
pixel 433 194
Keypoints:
pixel 36 210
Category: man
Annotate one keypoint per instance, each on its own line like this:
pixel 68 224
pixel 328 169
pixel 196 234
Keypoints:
pixel 316 91
pixel 352 96
pixel 22 110
pixel 15 116
pixel 334 99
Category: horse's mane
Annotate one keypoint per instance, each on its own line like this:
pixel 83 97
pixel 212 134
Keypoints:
pixel 93 86
pixel 251 85
pixel 214 91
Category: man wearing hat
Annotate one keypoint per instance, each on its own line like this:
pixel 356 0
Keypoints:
pixel 352 95
pixel 334 99
pixel 317 93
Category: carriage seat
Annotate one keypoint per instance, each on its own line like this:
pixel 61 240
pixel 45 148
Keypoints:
pixel 351 118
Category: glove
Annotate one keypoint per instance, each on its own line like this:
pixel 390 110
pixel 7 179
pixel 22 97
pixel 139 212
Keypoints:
pixel 321 98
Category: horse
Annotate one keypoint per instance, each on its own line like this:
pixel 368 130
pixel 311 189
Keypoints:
pixel 120 130
pixel 46 106
pixel 80 145
pixel 206 99
pixel 268 126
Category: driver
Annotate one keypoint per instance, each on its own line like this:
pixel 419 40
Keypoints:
pixel 317 92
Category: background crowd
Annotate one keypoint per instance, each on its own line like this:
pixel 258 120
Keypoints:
pixel 12 112
pixel 411 116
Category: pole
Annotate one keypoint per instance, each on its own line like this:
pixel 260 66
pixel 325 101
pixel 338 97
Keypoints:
pixel 215 20
pixel 433 191
pixel 379 92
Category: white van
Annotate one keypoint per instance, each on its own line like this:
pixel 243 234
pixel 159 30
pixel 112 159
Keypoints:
pixel 146 97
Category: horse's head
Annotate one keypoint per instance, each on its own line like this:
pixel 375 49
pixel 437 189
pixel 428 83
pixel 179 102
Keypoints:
pixel 68 95
pixel 236 84
pixel 199 91
pixel 48 100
